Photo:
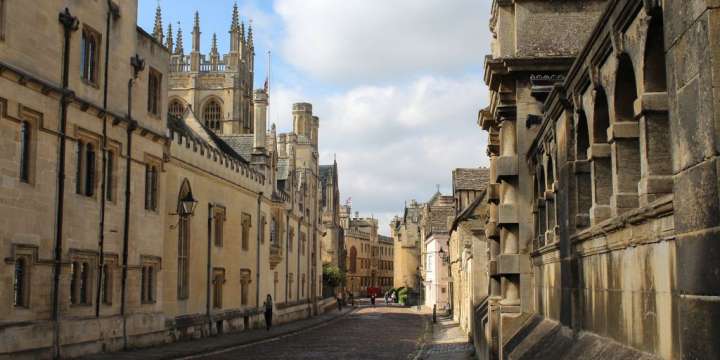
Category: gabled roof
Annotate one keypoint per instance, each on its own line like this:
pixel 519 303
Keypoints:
pixel 470 179
pixel 191 127
pixel 468 212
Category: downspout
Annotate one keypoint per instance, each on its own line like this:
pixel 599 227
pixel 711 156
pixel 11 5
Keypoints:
pixel 70 25
pixel 260 229
pixel 209 265
pixel 137 65
pixel 299 245
pixel 111 12
pixel 287 250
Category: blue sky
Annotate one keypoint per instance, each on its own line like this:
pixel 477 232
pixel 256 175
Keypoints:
pixel 397 84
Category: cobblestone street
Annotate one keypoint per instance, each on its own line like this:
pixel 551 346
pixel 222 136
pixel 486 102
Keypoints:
pixel 368 333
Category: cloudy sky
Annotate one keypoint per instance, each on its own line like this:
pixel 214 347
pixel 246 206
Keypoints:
pixel 397 84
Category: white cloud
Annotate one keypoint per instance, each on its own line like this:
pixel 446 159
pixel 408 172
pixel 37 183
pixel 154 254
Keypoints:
pixel 394 143
pixel 369 40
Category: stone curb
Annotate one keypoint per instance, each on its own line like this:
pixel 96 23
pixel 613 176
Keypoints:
pixel 200 350
pixel 221 349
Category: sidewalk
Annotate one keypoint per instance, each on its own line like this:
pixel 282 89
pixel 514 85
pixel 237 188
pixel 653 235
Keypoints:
pixel 448 342
pixel 216 343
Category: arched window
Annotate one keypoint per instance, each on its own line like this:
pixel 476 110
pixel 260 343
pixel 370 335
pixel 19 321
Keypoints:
pixel 176 108
pixel 626 147
pixel 601 173
pixel 183 271
pixel 655 154
pixel 212 115
pixel 601 121
pixel 625 90
pixel 353 260
pixel 655 76
pixel 583 183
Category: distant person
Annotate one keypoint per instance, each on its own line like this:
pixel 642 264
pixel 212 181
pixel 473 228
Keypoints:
pixel 386 298
pixel 394 298
pixel 352 299
pixel 268 312
pixel 372 299
pixel 339 301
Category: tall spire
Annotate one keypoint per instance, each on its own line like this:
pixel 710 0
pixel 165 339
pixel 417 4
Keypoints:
pixel 179 43
pixel 214 49
pixel 158 29
pixel 235 18
pixel 196 33
pixel 169 39
pixel 242 31
pixel 250 36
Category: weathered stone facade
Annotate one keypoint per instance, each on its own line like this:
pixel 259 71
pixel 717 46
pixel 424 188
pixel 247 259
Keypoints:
pixel 333 240
pixel 604 192
pixel 219 88
pixel 369 255
pixel 467 246
pixel 99 258
pixel 407 247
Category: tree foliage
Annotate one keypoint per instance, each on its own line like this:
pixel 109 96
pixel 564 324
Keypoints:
pixel 333 276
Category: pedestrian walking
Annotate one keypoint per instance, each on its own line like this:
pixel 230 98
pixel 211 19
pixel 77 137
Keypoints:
pixel 268 312
pixel 352 299
pixel 339 301
pixel 386 298
pixel 372 300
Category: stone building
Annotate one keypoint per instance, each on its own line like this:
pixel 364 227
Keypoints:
pixel 467 245
pixel 407 246
pixel 604 195
pixel 384 262
pixel 333 240
pixel 367 267
pixel 219 88
pixel 124 226
pixel 437 215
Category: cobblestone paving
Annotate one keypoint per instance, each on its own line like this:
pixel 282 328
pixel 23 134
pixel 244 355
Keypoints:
pixel 448 343
pixel 368 333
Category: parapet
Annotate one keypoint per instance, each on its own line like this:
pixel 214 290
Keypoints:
pixel 302 107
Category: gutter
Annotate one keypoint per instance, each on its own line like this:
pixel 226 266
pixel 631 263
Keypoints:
pixel 70 25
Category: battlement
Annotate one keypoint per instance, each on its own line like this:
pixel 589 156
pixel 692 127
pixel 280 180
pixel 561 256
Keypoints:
pixel 302 107
pixel 198 153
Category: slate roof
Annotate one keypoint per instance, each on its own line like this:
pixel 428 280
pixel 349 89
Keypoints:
pixel 470 179
pixel 190 126
pixel 385 239
pixel 439 216
pixel 242 144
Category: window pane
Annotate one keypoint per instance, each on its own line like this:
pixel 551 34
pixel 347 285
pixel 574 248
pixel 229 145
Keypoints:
pixel 24 150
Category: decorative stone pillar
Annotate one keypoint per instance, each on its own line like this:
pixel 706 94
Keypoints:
pixel 625 157
pixel 651 111
pixel 601 174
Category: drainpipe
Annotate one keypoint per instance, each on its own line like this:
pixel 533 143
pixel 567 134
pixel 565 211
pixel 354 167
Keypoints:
pixel 137 65
pixel 112 12
pixel 209 265
pixel 299 246
pixel 257 252
pixel 287 250
pixel 70 25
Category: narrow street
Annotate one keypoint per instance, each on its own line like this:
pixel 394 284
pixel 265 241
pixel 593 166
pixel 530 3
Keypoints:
pixel 367 333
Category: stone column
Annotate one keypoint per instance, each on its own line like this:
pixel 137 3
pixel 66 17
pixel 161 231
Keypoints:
pixel 655 156
pixel 625 158
pixel 601 174
pixel 260 109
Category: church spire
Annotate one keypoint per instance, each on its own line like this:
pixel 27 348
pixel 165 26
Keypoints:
pixel 158 29
pixel 214 49
pixel 235 18
pixel 179 43
pixel 169 39
pixel 250 36
pixel 196 33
